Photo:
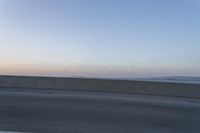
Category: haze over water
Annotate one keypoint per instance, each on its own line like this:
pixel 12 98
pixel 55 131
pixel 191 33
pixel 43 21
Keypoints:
pixel 100 38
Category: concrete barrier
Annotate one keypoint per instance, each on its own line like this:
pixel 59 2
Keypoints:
pixel 86 84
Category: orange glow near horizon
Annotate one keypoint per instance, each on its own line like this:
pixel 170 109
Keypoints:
pixel 64 70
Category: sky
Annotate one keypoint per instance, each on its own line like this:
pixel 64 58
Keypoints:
pixel 100 38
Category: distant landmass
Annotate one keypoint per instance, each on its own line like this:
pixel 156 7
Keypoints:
pixel 170 79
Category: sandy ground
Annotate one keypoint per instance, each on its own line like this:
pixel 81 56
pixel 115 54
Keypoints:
pixel 106 85
pixel 96 112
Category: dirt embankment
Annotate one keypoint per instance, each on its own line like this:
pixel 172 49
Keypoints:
pixel 86 84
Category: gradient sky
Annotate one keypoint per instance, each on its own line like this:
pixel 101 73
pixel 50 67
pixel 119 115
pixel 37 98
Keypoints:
pixel 100 38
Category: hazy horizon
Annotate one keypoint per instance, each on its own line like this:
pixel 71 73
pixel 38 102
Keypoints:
pixel 100 38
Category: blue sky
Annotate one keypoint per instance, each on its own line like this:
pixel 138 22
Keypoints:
pixel 101 38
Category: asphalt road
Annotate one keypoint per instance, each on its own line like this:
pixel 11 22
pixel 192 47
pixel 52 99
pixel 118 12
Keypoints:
pixel 96 112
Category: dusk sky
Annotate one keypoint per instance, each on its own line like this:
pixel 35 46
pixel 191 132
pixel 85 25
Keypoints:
pixel 100 38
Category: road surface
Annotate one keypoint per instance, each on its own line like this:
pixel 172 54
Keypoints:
pixel 96 112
